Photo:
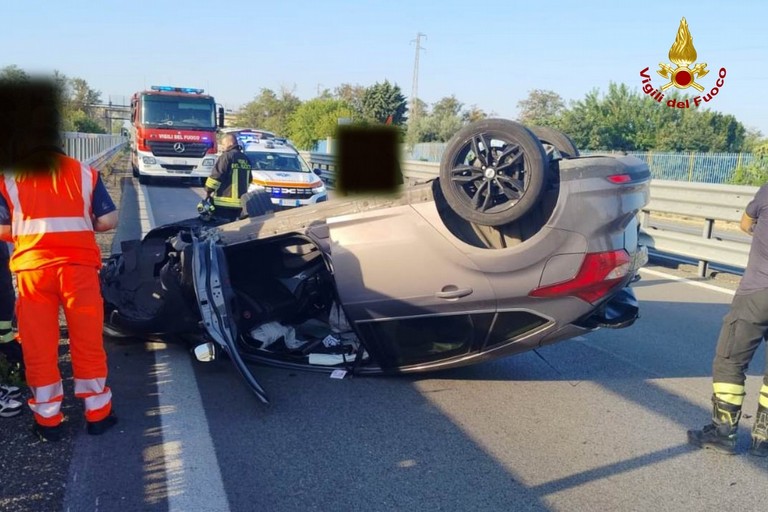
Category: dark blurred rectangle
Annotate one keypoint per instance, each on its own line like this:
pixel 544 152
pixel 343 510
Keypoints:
pixel 29 121
pixel 368 160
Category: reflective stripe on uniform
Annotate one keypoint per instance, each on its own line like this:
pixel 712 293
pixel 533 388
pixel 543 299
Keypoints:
pixel 87 186
pixel 46 400
pixel 96 402
pixel 234 192
pixel 730 393
pixel 95 392
pixel 46 393
pixel 226 201
pixel 22 226
pixel 25 227
pixel 212 183
pixel 13 194
pixel 84 387
pixel 47 409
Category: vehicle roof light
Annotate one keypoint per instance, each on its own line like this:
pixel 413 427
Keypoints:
pixel 189 90
pixel 599 273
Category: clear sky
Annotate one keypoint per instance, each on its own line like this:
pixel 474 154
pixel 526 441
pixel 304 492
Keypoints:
pixel 489 53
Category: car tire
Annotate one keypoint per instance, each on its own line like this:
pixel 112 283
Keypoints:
pixel 256 203
pixel 515 187
pixel 135 171
pixel 555 139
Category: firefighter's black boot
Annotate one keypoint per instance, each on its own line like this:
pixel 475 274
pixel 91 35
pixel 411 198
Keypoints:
pixel 720 435
pixel 759 446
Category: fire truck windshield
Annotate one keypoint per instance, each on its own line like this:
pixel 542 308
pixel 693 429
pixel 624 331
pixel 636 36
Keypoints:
pixel 173 111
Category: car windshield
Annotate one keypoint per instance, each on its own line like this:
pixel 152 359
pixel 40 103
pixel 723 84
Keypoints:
pixel 263 161
pixel 186 113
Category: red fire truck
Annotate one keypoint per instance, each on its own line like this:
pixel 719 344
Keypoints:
pixel 173 133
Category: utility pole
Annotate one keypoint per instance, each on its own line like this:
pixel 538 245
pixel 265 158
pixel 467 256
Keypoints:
pixel 415 86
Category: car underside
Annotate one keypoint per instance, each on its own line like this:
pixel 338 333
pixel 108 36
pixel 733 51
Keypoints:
pixel 392 284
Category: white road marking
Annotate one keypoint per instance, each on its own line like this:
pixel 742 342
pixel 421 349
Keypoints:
pixel 192 476
pixel 688 281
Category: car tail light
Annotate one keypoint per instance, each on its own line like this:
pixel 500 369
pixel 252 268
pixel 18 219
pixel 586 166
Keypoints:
pixel 599 273
pixel 620 178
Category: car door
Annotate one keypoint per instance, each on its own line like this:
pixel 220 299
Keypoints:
pixel 413 296
pixel 215 298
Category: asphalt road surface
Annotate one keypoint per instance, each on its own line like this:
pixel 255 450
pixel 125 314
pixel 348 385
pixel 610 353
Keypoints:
pixel 595 423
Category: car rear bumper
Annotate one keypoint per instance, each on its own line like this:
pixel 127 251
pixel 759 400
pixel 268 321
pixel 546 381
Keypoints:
pixel 618 312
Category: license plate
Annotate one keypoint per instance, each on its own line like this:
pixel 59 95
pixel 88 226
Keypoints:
pixel 179 162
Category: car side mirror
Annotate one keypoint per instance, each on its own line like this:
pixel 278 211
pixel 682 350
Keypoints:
pixel 221 117
pixel 319 172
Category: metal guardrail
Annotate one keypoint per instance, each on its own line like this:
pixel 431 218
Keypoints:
pixel 708 204
pixel 689 166
pixel 699 204
pixel 91 147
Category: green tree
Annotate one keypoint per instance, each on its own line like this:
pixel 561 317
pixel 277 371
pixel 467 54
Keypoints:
pixel 753 138
pixel 76 98
pixel 84 124
pixel 541 108
pixel 474 113
pixel 82 97
pixel 756 173
pixel 317 119
pixel 382 100
pixel 446 118
pixel 13 74
pixel 268 111
pixel 417 122
pixel 700 130
pixel 353 95
pixel 625 119
pixel 439 124
pixel 618 120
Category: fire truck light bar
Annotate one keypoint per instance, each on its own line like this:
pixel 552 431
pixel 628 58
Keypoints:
pixel 189 90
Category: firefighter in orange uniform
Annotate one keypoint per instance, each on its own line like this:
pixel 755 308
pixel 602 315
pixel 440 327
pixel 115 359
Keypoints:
pixel 51 216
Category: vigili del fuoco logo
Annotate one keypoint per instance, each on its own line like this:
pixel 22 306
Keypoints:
pixel 681 75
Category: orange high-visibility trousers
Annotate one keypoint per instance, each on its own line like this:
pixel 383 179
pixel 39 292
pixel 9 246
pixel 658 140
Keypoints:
pixel 77 289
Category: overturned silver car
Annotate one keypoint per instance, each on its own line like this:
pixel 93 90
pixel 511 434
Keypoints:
pixel 520 242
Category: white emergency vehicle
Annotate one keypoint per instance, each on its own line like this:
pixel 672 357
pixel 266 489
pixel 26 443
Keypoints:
pixel 279 170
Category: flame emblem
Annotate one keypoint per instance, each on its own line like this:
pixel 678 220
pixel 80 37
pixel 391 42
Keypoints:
pixel 683 54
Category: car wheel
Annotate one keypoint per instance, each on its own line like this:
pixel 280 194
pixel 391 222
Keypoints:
pixel 493 172
pixel 553 139
pixel 135 171
pixel 257 203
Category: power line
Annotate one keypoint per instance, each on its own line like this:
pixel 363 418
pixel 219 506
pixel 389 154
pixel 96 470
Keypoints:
pixel 415 85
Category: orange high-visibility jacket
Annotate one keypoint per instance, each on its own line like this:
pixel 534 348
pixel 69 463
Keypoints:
pixel 51 216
